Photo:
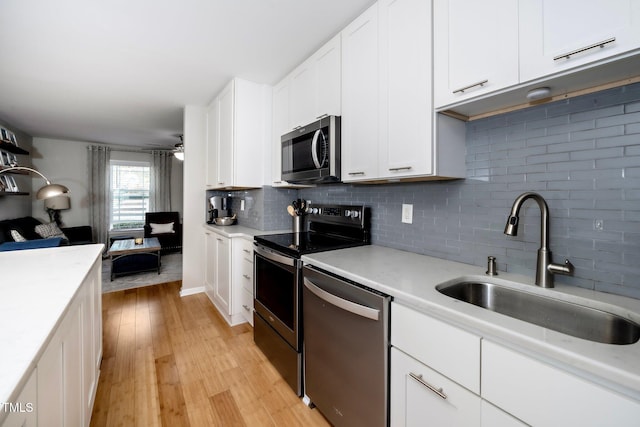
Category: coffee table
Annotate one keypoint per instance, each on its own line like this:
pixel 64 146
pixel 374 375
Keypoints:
pixel 127 257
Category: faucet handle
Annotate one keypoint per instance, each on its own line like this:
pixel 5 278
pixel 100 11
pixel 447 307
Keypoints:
pixel 566 269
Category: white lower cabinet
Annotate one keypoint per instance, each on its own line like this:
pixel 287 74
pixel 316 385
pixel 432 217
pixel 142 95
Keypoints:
pixel 229 276
pixel 242 265
pixel 523 386
pixel 435 375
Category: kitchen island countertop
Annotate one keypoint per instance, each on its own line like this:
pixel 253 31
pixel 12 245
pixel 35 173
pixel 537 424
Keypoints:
pixel 411 279
pixel 36 289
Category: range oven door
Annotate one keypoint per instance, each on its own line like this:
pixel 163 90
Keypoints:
pixel 277 284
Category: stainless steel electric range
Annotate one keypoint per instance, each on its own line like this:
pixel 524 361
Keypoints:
pixel 278 280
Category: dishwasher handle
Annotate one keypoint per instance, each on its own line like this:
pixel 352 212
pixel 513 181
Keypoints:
pixel 352 307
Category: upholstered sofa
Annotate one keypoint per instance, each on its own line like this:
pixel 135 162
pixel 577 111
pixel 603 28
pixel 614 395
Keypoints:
pixel 26 227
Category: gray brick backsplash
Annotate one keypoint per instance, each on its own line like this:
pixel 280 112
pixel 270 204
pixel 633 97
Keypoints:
pixel 581 154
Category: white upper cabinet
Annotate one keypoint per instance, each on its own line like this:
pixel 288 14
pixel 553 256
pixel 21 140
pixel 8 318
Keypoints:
pixel 389 131
pixel 360 97
pixel 314 86
pixel 475 48
pixel 328 65
pixel 303 94
pixel 280 125
pixel 238 125
pixel 561 35
pixel 405 88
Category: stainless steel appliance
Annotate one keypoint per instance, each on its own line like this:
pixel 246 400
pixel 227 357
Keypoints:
pixel 311 154
pixel 278 280
pixel 346 349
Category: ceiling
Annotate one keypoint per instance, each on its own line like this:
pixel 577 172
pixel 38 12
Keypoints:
pixel 120 71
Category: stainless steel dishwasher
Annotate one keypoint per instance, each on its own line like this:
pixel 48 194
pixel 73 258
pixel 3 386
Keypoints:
pixel 346 349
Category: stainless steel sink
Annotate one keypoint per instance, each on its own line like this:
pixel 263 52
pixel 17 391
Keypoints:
pixel 562 316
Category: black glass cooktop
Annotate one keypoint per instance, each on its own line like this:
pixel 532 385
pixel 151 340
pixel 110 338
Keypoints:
pixel 297 244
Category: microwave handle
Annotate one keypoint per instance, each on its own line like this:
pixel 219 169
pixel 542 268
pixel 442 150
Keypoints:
pixel 314 149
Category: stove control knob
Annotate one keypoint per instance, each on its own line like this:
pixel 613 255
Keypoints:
pixel 347 213
pixel 355 214
pixel 314 210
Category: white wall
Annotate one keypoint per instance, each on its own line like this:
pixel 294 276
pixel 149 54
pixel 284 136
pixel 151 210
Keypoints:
pixel 193 259
pixel 65 162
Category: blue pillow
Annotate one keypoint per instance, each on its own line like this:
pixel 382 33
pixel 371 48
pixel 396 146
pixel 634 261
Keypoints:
pixel 31 244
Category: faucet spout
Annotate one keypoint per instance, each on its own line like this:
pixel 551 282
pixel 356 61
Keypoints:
pixel 545 268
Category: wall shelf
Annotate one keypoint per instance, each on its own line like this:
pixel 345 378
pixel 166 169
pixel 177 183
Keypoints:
pixel 13 193
pixel 7 146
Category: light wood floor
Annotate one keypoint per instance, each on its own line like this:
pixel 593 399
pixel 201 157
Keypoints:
pixel 172 361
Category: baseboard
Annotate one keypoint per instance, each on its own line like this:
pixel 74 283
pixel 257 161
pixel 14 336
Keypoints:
pixel 191 291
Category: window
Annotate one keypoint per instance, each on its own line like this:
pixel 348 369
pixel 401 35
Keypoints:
pixel 129 194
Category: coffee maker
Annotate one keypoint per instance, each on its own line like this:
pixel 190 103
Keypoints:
pixel 219 207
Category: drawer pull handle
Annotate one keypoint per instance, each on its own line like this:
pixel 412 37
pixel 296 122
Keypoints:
pixel 462 89
pixel 402 168
pixel 418 378
pixel 246 276
pixel 245 306
pixel 583 49
pixel 356 173
pixel 247 251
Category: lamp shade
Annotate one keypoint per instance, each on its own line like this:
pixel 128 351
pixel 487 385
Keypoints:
pixel 58 203
pixel 51 190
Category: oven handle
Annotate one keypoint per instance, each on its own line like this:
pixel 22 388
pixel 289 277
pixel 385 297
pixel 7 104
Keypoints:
pixel 352 307
pixel 274 256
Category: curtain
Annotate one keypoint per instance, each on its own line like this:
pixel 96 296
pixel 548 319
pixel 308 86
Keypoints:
pixel 160 186
pixel 99 177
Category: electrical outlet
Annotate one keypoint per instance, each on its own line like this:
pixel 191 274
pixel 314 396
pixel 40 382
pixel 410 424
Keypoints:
pixel 598 225
pixel 242 205
pixel 407 213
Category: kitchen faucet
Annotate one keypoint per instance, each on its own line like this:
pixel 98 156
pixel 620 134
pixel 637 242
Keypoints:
pixel 545 269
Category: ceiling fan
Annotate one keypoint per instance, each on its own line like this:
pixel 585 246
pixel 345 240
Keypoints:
pixel 178 151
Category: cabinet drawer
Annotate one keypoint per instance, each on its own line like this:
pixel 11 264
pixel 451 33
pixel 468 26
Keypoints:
pixel 246 277
pixel 247 305
pixel 246 249
pixel 451 351
pixel 522 386
pixel 421 396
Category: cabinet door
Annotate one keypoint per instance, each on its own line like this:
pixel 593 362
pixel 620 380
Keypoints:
pixel 59 374
pixel 360 134
pixel 222 283
pixel 281 125
pixel 211 257
pixel 328 64
pixel 476 46
pixel 405 88
pixel 560 35
pixel 303 94
pixel 213 142
pixel 226 136
pixel 420 396
pixel 522 385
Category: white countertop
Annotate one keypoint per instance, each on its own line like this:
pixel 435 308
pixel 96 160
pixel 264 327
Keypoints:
pixel 411 280
pixel 239 231
pixel 36 287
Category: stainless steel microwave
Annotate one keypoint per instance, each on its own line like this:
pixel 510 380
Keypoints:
pixel 311 154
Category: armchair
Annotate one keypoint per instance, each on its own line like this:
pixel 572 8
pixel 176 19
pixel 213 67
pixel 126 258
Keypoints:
pixel 167 228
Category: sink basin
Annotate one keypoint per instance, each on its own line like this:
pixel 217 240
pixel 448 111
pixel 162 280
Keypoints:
pixel 562 316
